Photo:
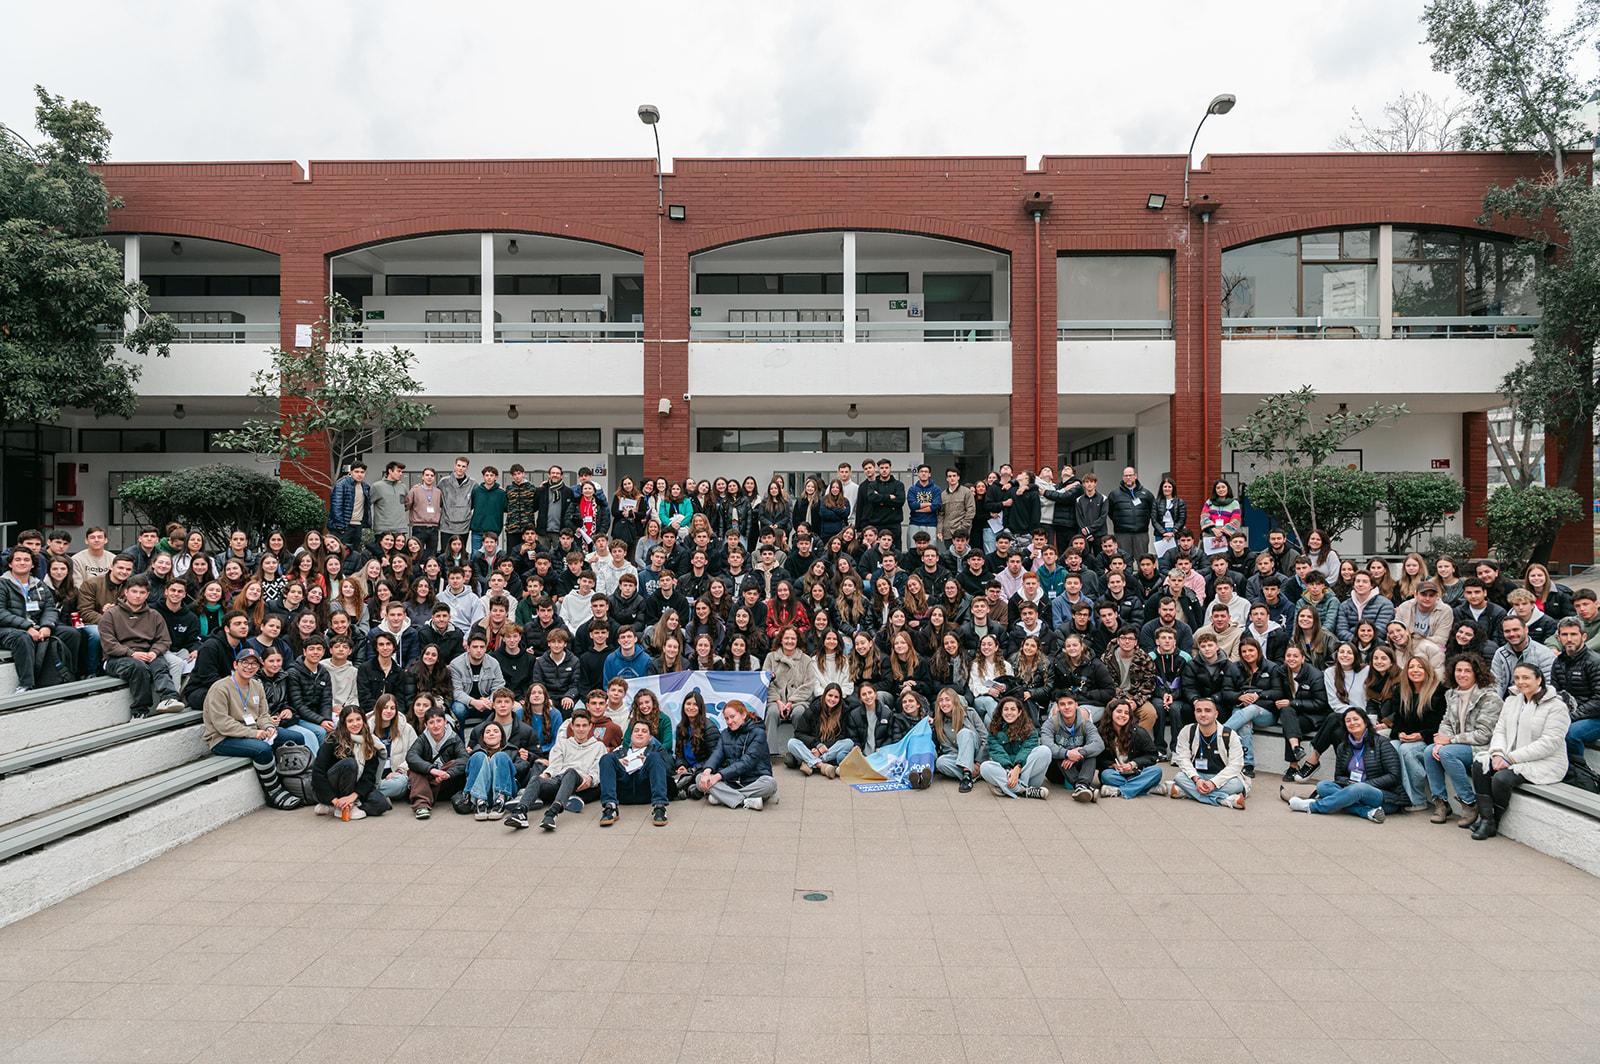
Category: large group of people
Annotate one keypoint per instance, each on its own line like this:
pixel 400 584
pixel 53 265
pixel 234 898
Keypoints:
pixel 465 641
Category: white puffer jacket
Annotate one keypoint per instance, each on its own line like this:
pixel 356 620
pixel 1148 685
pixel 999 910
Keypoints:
pixel 1532 737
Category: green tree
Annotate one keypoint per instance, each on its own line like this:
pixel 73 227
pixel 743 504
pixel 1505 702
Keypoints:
pixel 1333 498
pixel 1416 502
pixel 58 285
pixel 216 499
pixel 1285 434
pixel 1525 92
pixel 338 394
pixel 1521 521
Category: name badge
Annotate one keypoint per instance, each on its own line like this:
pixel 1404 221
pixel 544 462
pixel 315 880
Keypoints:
pixel 250 718
pixel 1202 764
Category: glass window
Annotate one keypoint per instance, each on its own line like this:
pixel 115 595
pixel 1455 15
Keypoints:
pixel 188 441
pixel 1114 288
pixel 883 283
pixel 405 286
pixel 228 286
pixel 268 285
pixel 537 441
pixel 833 283
pixel 802 284
pixel 802 439
pixel 141 441
pixel 1426 290
pixel 1258 281
pixel 889 440
pixel 760 284
pixel 758 439
pixel 1345 291
pixel 580 441
pixel 630 442
pixel 846 439
pixel 717 284
pixel 1440 245
pixel 408 442
pixel 1319 247
pixel 580 284
pixel 719 440
pixel 1360 244
pixel 451 441
pixel 451 285
pixel 532 284
pixel 956 287
pixel 493 441
pixel 216 448
pixel 177 285
pixel 100 441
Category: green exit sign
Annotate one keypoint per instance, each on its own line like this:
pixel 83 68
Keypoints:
pixel 374 315
pixel 694 312
pixel 897 304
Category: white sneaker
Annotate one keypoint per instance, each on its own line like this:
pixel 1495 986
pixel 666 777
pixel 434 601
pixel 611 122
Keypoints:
pixel 323 810
pixel 357 813
pixel 711 799
pixel 1300 805
pixel 172 705
pixel 753 804
pixel 1108 791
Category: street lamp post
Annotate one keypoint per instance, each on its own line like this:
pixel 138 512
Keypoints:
pixel 1219 105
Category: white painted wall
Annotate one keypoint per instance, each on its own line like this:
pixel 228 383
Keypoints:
pixel 254 308
pixel 554 369
pixel 1116 367
pixel 1153 443
pixel 850 370
pixel 196 370
pixel 1466 368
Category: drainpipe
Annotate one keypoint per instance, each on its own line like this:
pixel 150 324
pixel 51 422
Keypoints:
pixel 1038 353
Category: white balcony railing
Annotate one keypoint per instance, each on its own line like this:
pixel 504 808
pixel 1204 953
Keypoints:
pixel 233 332
pixel 791 332
pixel 1153 329
pixel 1320 328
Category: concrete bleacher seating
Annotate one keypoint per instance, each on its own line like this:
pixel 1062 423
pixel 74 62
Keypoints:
pixel 1560 820
pixel 87 792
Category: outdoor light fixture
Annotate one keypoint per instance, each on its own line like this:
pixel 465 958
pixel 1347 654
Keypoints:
pixel 676 212
pixel 177 247
pixel 511 411
pixel 852 412
pixel 650 114
pixel 1219 105
pixel 178 412
pixel 511 247
pixel 1156 201
pixel 665 406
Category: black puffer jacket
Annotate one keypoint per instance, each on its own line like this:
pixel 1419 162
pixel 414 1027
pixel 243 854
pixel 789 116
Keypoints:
pixel 1381 764
pixel 1130 508
pixel 1578 675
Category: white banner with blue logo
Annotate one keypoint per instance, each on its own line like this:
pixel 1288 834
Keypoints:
pixel 889 767
pixel 717 688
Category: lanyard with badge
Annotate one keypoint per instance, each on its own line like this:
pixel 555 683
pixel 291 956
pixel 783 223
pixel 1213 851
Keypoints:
pixel 244 700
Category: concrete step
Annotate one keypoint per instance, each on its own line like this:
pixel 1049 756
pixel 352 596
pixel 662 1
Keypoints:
pixel 8 675
pixel 46 861
pixel 51 714
pixel 46 777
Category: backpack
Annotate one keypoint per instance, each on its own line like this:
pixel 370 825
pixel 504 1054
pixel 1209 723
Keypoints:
pixel 294 771
pixel 1580 775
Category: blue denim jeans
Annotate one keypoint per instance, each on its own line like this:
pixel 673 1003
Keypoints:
pixel 309 734
pixel 1190 789
pixel 1580 733
pixel 1033 771
pixel 953 765
pixel 1413 772
pixel 488 776
pixel 394 786
pixel 649 784
pixel 1455 761
pixel 1142 782
pixel 1358 799
pixel 1243 723
pixel 836 753
pixel 257 750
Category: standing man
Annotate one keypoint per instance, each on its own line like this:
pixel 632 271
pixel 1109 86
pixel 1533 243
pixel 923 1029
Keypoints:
pixel 349 505
pixel 1130 508
pixel 424 503
pixel 883 503
pixel 958 511
pixel 488 502
pixel 521 505
pixel 925 501
pixel 388 498
pixel 133 639
pixel 455 513
pixel 550 503
pixel 851 489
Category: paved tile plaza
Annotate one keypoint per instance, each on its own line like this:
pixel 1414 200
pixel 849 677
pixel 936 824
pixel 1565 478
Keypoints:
pixel 957 928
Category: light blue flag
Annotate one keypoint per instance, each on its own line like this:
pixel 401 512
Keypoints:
pixel 895 761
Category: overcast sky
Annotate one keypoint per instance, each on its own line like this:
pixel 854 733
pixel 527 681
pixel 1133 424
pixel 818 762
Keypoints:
pixel 286 79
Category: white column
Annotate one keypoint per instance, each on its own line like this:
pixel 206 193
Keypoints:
pixel 130 272
pixel 1385 282
pixel 486 268
pixel 849 288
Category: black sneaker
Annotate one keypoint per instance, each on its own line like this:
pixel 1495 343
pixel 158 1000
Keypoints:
pixel 574 804
pixel 422 812
pixel 516 817
pixel 549 821
pixel 497 808
pixel 1307 770
pixel 694 793
pixel 658 816
pixel 1291 774
pixel 965 785
pixel 608 815
pixel 1250 770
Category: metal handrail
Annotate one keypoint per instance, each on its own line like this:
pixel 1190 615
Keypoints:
pixel 1065 330
pixel 782 331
